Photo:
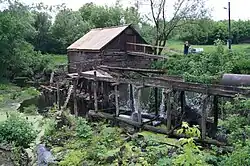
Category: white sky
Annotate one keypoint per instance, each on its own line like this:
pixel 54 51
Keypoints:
pixel 239 8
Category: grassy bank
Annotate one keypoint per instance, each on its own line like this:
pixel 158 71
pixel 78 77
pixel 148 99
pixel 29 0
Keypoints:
pixel 178 47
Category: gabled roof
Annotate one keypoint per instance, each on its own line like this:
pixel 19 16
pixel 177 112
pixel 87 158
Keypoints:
pixel 96 39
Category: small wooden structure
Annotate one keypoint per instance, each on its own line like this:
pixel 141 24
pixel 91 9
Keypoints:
pixel 113 46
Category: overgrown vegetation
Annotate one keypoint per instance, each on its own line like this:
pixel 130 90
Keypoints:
pixel 17 130
pixel 207 67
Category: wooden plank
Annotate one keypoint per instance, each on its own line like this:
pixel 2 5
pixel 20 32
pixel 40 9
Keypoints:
pixel 204 117
pixel 145 45
pixel 133 69
pixel 147 55
pixel 116 100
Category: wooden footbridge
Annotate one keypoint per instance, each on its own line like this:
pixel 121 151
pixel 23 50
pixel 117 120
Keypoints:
pixel 141 78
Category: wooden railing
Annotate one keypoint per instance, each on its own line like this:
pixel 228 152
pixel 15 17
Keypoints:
pixel 145 46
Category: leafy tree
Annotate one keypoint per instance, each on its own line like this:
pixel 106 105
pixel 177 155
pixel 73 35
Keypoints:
pixel 67 28
pixel 42 38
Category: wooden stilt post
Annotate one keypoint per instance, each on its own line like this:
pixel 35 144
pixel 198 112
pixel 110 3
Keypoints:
pixel 75 98
pixel 216 113
pixel 156 101
pixel 169 114
pixel 68 97
pixel 183 101
pixel 131 98
pixel 116 100
pixel 58 95
pixel 95 93
pixel 204 118
pixel 51 77
pixel 139 105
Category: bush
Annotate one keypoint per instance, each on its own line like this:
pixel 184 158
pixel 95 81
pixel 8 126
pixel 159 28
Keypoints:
pixel 83 129
pixel 240 156
pixel 17 130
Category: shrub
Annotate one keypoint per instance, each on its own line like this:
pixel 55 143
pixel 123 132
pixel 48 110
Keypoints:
pixel 17 130
pixel 83 129
pixel 240 156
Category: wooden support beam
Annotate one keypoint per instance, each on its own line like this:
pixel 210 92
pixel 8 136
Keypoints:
pixel 183 101
pixel 52 77
pixel 117 101
pixel 138 105
pixel 75 98
pixel 156 101
pixel 58 96
pixel 131 98
pixel 169 114
pixel 95 93
pixel 204 117
pixel 133 69
pixel 216 113
pixel 146 55
pixel 68 97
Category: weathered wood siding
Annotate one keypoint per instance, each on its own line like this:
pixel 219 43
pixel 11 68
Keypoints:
pixel 90 59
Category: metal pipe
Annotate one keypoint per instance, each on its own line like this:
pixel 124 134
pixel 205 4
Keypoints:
pixel 229 26
pixel 236 80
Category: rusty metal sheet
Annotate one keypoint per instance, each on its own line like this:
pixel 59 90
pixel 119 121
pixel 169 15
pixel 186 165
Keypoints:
pixel 96 39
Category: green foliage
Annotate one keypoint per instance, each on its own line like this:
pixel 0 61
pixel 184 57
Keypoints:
pixel 204 68
pixel 17 130
pixel 205 31
pixel 83 129
pixel 240 156
pixel 237 120
pixel 73 158
pixel 191 155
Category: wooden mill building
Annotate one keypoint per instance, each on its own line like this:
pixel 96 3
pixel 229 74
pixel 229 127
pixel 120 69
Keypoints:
pixel 114 46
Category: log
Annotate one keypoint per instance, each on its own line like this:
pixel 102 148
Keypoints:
pixel 68 97
pixel 103 115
